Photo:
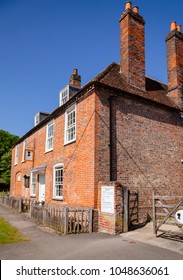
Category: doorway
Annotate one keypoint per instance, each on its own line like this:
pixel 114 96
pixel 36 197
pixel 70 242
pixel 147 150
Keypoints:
pixel 41 196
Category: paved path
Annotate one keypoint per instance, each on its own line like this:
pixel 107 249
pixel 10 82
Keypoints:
pixel 48 245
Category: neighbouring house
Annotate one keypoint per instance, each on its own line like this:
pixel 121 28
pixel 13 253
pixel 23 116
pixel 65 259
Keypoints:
pixel 120 127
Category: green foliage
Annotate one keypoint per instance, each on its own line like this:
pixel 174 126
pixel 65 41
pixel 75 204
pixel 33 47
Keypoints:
pixel 6 142
pixel 9 234
pixel 5 167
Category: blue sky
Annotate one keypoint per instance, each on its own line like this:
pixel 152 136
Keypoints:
pixel 42 41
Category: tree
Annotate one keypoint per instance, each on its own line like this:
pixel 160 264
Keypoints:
pixel 6 142
pixel 5 167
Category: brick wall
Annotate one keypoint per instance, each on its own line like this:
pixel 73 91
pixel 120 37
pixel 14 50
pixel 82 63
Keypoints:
pixel 77 157
pixel 146 147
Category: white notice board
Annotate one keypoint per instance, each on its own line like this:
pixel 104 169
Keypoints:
pixel 107 199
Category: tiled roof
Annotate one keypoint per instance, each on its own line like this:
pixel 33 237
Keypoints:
pixel 155 91
pixel 111 77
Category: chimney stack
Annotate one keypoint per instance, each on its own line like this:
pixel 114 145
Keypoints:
pixel 174 44
pixel 75 79
pixel 132 47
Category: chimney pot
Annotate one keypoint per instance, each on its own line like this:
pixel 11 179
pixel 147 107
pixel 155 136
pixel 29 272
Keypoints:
pixel 75 71
pixel 136 9
pixel 173 25
pixel 128 5
pixel 179 28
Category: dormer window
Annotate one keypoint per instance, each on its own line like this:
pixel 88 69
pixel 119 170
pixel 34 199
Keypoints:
pixel 39 117
pixel 36 119
pixel 64 95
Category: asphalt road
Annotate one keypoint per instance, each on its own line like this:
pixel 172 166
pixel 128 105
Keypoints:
pixel 48 245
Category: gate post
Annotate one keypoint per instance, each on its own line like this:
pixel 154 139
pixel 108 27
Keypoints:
pixel 20 205
pixel 90 220
pixel 126 209
pixel 66 211
pixel 45 210
pixel 154 214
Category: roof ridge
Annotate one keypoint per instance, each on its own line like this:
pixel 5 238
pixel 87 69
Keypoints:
pixel 102 74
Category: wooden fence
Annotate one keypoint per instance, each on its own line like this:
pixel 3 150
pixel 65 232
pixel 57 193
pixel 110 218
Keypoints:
pixel 21 205
pixel 63 220
pixel 165 209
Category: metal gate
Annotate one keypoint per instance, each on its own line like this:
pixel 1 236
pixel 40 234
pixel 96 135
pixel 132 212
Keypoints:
pixel 168 216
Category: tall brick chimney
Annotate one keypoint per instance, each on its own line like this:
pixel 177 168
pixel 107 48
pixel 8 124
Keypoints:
pixel 174 44
pixel 75 79
pixel 132 46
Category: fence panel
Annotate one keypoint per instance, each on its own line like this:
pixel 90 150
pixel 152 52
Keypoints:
pixel 10 202
pixel 36 213
pixel 54 218
pixel 79 220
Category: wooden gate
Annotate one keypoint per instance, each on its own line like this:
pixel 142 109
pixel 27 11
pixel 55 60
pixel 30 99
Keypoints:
pixel 167 211
pixel 130 209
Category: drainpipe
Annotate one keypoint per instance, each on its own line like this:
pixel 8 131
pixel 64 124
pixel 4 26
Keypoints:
pixel 110 137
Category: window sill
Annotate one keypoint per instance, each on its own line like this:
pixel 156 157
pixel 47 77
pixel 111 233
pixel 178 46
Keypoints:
pixel 58 199
pixel 71 142
pixel 46 152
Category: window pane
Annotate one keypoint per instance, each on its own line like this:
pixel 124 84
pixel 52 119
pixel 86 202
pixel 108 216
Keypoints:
pixel 33 184
pixel 58 184
pixel 71 126
pixel 50 132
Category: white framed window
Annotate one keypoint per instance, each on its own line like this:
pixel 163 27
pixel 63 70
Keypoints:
pixel 25 143
pixel 64 95
pixel 70 124
pixel 49 136
pixel 16 154
pixel 58 172
pixel 33 184
pixel 37 119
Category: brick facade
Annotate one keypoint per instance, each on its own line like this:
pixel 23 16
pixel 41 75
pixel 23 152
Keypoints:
pixel 77 158
pixel 128 129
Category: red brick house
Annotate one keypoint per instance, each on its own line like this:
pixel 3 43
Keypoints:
pixel 121 126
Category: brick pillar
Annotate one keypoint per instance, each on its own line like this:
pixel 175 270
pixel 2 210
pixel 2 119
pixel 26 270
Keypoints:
pixel 110 217
pixel 132 47
pixel 174 44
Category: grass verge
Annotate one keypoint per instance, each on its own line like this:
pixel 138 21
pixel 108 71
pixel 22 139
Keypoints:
pixel 9 234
